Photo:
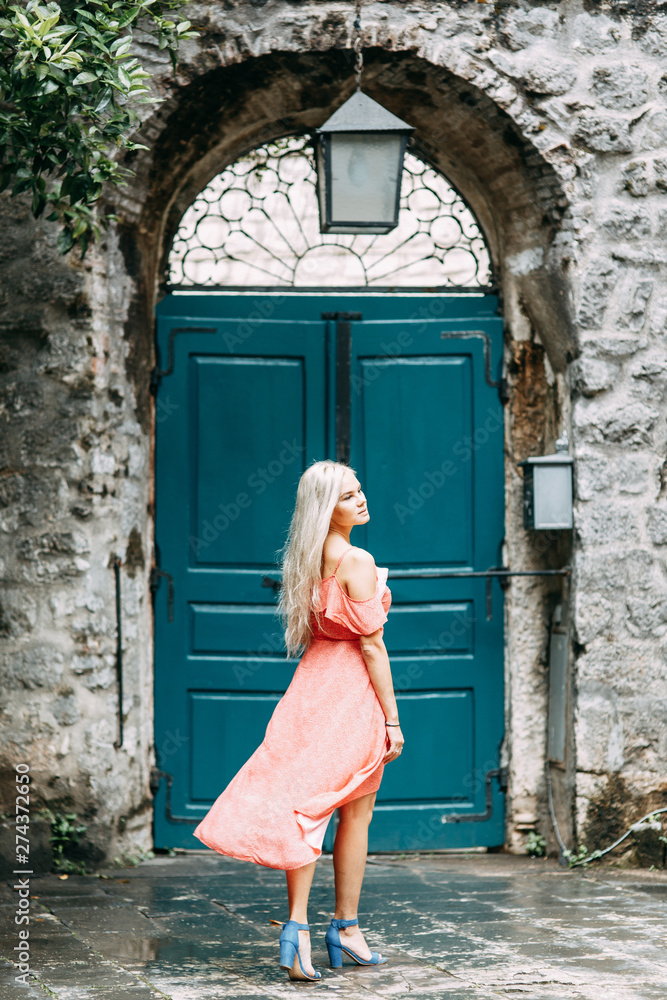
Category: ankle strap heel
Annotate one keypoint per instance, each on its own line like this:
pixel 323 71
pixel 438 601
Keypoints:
pixel 335 947
pixel 289 950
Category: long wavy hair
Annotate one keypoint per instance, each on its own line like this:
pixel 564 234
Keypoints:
pixel 316 496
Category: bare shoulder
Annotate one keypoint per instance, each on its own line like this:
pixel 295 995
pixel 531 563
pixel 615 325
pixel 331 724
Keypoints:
pixel 359 558
pixel 358 574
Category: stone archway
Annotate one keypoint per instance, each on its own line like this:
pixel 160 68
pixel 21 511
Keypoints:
pixel 513 190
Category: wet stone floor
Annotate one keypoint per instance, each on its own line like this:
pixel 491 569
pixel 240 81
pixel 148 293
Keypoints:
pixel 482 926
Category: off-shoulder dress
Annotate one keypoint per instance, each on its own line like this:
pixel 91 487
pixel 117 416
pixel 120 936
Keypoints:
pixel 324 744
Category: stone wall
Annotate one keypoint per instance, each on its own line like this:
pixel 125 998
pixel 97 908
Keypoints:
pixel 75 490
pixel 552 120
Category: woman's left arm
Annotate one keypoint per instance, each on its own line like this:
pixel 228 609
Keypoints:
pixel 375 654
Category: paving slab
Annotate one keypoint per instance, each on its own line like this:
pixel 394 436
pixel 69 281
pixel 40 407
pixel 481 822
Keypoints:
pixel 197 927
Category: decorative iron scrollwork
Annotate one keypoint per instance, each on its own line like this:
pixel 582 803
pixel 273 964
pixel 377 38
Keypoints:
pixel 256 225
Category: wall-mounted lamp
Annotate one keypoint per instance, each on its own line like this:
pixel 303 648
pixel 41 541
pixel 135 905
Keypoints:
pixel 547 490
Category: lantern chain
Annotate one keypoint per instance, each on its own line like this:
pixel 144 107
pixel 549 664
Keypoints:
pixel 359 61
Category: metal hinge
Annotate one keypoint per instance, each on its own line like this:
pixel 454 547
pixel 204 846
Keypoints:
pixel 501 774
pixel 503 391
pixel 155 379
pixel 156 575
pixel 158 373
pixel 156 777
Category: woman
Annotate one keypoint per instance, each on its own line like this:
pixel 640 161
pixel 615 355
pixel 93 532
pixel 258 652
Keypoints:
pixel 333 730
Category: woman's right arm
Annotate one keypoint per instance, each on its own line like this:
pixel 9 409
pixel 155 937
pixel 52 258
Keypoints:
pixel 361 582
pixel 375 654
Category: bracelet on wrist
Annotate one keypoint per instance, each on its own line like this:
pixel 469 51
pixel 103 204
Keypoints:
pixel 392 723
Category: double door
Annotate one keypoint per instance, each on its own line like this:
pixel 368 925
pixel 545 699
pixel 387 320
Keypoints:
pixel 251 389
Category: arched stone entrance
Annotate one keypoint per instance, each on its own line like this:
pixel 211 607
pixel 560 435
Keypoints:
pixel 387 354
pixel 515 193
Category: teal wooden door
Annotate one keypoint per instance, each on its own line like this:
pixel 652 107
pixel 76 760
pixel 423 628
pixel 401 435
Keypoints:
pixel 252 390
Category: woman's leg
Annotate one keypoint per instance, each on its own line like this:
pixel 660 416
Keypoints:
pixel 299 881
pixel 349 858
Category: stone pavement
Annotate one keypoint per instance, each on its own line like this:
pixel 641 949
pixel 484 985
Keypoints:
pixel 454 926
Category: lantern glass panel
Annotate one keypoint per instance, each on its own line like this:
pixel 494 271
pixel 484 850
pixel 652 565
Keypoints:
pixel 553 495
pixel 364 178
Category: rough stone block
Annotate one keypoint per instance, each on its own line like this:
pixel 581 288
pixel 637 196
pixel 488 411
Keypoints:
pixel 629 424
pixel 636 178
pixel 593 614
pixel 614 347
pixel 649 372
pixel 655 134
pixel 525 27
pixel 95 671
pixel 592 34
pixel 637 569
pixel 634 298
pixel 633 473
pixel 648 615
pixel 659 320
pixel 35 667
pixel 605 522
pixel 597 285
pixel 660 172
pixel 593 475
pixel 626 222
pixel 599 729
pixel 547 75
pixel 599 664
pixel 619 85
pixel 64 709
pixel 602 571
pixel 656 521
pixel 592 376
pixel 18 613
pixel 654 39
pixel 603 134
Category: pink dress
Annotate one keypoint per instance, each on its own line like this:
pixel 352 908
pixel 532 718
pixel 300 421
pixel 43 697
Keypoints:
pixel 324 744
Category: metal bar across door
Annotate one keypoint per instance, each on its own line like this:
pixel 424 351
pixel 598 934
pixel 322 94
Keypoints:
pixel 343 383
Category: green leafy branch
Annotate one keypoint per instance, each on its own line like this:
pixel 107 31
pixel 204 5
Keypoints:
pixel 69 91
pixel 66 832
pixel 581 857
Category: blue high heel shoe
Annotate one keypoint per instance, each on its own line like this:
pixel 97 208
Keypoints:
pixel 289 948
pixel 336 948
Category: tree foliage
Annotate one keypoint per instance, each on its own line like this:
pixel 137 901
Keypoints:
pixel 69 90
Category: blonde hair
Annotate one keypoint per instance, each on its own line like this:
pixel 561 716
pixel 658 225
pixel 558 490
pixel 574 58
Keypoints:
pixel 316 496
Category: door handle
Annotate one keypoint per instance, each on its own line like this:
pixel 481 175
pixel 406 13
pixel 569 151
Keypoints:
pixel 268 581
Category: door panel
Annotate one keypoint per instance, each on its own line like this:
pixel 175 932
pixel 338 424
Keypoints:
pixel 413 411
pixel 247 403
pixel 427 444
pixel 242 426
pixel 244 417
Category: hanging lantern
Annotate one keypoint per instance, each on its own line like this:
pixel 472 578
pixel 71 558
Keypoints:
pixel 359 159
